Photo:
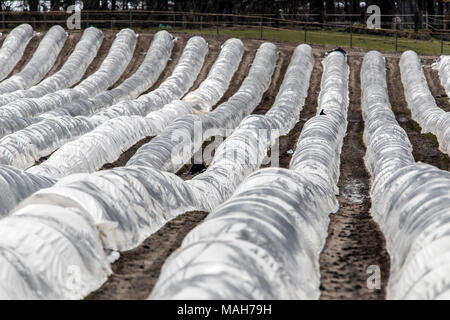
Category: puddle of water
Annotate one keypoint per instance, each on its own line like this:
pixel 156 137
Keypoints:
pixel 352 191
pixel 402 118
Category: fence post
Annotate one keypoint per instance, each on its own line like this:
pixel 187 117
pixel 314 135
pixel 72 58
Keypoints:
pixel 351 36
pixel 87 19
pixel 304 41
pixel 201 24
pixel 217 25
pixel 261 28
pixel 442 44
pixel 396 41
pixel 130 19
pixel 3 20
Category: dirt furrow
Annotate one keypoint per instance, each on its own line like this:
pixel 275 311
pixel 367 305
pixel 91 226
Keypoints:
pixel 137 270
pixel 354 241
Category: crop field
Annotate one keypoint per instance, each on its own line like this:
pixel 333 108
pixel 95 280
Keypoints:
pixel 176 166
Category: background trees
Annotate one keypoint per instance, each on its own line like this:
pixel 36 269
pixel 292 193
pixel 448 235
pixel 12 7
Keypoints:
pixel 239 6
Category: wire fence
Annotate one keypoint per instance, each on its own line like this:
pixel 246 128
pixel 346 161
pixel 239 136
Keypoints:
pixel 307 27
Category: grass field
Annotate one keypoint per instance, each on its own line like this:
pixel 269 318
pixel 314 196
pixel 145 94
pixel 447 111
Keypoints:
pixel 334 38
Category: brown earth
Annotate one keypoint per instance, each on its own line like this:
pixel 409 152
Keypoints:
pixel 355 241
pixel 137 270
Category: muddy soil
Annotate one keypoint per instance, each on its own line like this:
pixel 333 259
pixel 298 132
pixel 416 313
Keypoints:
pixel 137 270
pixel 355 241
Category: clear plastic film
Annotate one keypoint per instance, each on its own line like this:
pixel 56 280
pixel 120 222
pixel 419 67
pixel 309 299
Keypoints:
pixel 131 203
pixel 23 148
pixel 106 75
pixel 40 63
pixel 265 241
pixel 49 252
pixel 320 143
pixel 50 136
pixel 13 47
pixel 146 75
pixel 16 185
pixel 410 200
pixel 388 146
pixel 174 87
pixel 69 74
pixel 164 152
pixel 126 204
pixel 108 141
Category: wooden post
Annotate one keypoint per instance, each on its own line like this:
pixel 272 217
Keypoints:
pixel 201 24
pixel 304 41
pixel 351 36
pixel 261 28
pixel 217 25
pixel 396 41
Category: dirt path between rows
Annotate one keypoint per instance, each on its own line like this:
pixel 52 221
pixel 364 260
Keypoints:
pixel 355 241
pixel 137 270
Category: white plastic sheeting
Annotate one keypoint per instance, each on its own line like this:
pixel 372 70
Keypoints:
pixel 21 149
pixel 106 75
pixel 50 252
pixel 13 47
pixel 388 146
pixel 146 75
pixel 265 241
pixel 166 152
pixel 421 102
pixel 45 135
pixel 108 141
pixel 69 74
pixel 128 204
pixel 40 63
pixel 16 185
pixel 410 200
pixel 174 87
